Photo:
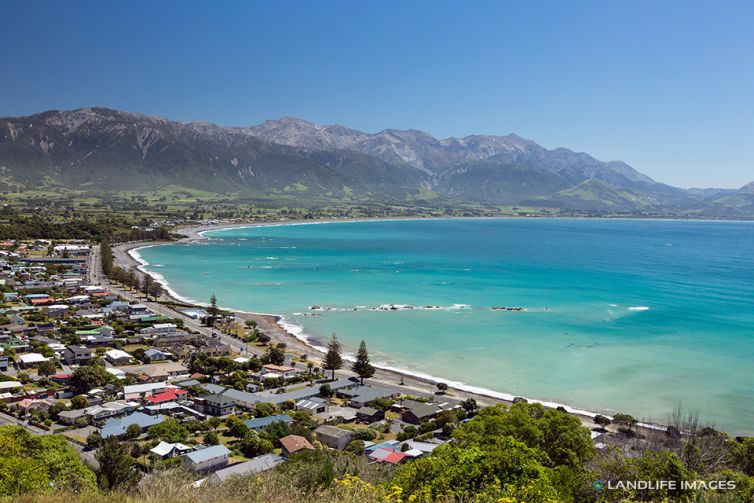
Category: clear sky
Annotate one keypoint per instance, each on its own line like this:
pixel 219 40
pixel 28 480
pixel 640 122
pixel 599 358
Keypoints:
pixel 667 86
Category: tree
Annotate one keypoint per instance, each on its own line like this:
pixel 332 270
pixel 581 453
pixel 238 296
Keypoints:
pixel 146 285
pixel 274 355
pixel 333 359
pixel 558 434
pixel 84 379
pixel 211 438
pixel 117 470
pixel 625 422
pixel 79 402
pixel 460 473
pixel 325 391
pixel 253 445
pixel 213 311
pixel 362 366
pixel 236 427
pixel 155 290
pixel 170 430
pixel 133 431
pixel 94 440
pixel 601 421
pixel 47 368
pixel 35 463
pixel 469 405
pixel 743 454
pixel 442 387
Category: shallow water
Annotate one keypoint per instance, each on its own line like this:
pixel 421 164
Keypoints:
pixel 635 316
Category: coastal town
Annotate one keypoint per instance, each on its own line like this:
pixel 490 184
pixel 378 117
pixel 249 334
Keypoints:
pixel 92 359
pixel 141 385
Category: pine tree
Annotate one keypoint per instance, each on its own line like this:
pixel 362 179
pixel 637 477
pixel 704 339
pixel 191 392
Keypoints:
pixel 333 359
pixel 117 469
pixel 362 367
pixel 214 311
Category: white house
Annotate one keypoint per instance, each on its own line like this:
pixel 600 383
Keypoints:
pixel 139 391
pixel 29 360
pixel 280 370
pixel 118 357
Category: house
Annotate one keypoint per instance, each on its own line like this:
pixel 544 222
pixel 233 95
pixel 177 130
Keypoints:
pixel 418 412
pixel 31 360
pixel 171 395
pixel 362 396
pixel 242 398
pixel 69 417
pixel 139 391
pixel 77 355
pixel 155 355
pixel 7 386
pixel 3 363
pixel 257 465
pixel 61 378
pixel 281 371
pixel 336 415
pixel 105 410
pixel 118 357
pixel 161 371
pixel 369 415
pixel 292 444
pixel 333 437
pixel 387 456
pixel 118 426
pixel 167 450
pixel 312 405
pixel 215 405
pixel 261 423
pixel 206 459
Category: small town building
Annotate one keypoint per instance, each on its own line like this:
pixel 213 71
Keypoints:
pixel 292 444
pixel 333 437
pixel 209 458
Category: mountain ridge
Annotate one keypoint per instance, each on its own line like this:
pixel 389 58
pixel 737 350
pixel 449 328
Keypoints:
pixel 103 148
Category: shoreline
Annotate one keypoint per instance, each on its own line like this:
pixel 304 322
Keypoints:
pixel 295 338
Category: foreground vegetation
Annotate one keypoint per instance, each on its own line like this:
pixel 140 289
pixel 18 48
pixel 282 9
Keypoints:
pixel 521 453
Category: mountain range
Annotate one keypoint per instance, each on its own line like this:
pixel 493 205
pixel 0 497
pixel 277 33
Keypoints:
pixel 101 149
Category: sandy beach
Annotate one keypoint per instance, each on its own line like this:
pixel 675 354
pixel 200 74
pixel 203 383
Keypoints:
pixel 271 325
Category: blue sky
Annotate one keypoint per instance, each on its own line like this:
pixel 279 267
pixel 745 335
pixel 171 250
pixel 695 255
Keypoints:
pixel 666 86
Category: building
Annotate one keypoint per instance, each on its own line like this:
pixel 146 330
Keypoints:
pixel 31 360
pixel 292 444
pixel 118 426
pixel 261 423
pixel 215 405
pixel 166 450
pixel 209 458
pixel 418 412
pixel 257 465
pixel 118 357
pixel 171 395
pixel 333 437
pixel 140 391
pixel 312 405
pixel 242 398
pixel 155 355
pixel 362 396
pixel 281 371
pixel 77 355
pixel 369 415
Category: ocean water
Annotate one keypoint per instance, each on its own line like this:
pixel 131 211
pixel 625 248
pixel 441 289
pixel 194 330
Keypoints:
pixel 620 316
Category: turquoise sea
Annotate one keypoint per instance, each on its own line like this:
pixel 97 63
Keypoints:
pixel 630 316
